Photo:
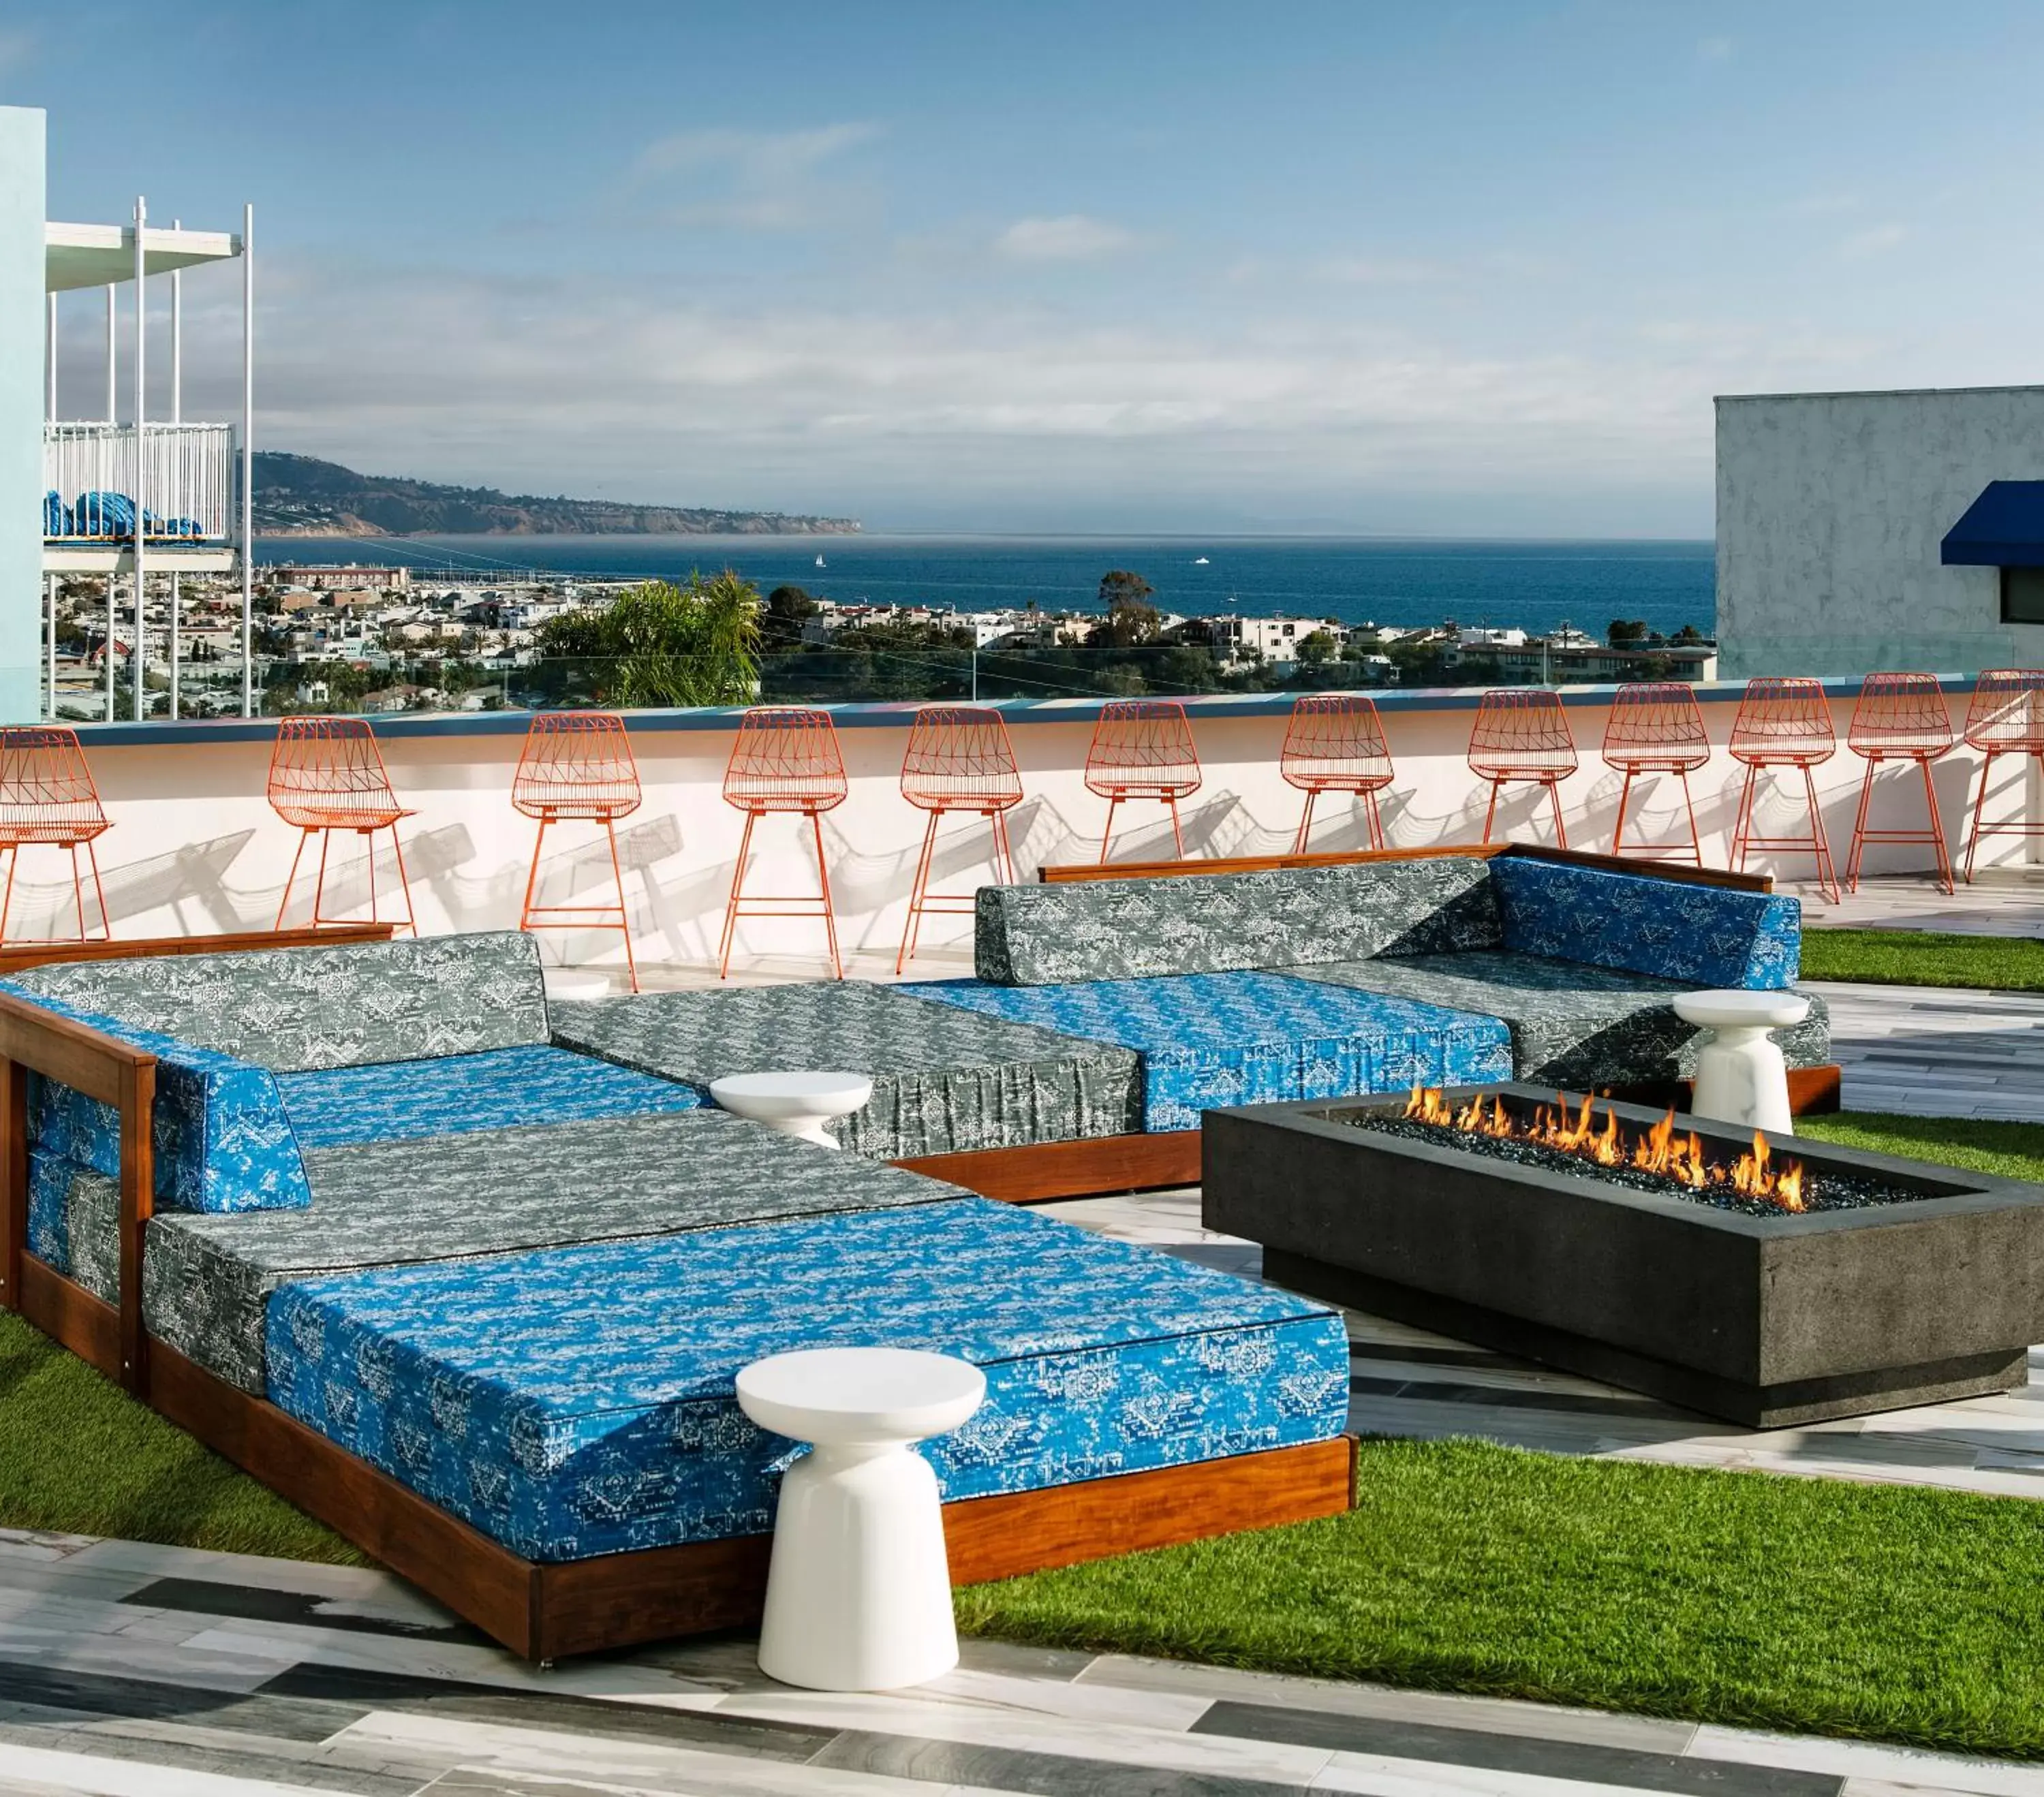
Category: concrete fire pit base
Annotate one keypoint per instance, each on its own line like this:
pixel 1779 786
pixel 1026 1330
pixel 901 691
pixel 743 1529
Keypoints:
pixel 1765 1321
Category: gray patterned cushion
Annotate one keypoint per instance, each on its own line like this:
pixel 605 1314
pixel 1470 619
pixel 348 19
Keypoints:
pixel 944 1080
pixel 1047 936
pixel 1571 1025
pixel 294 1009
pixel 204 1286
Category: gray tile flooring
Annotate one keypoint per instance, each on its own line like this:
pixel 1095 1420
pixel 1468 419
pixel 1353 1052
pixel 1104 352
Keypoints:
pixel 162 1673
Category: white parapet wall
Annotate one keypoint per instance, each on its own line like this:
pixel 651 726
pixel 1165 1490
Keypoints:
pixel 194 849
pixel 1830 511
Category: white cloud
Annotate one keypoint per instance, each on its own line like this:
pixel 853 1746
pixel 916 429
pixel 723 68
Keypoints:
pixel 1874 242
pixel 1715 49
pixel 16 48
pixel 1069 237
pixel 750 180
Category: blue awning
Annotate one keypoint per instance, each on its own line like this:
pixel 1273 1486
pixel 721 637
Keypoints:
pixel 2003 528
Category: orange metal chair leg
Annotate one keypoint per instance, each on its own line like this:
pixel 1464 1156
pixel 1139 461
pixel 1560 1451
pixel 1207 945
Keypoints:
pixel 1859 828
pixel 1376 820
pixel 1490 811
pixel 737 886
pixel 1827 876
pixel 1305 823
pixel 1107 835
pixel 823 876
pixel 533 875
pixel 319 885
pixel 77 891
pixel 1561 829
pixel 624 913
pixel 1945 881
pixel 1005 863
pixel 99 888
pixel 911 928
pixel 1177 833
pixel 1689 804
pixel 404 883
pixel 290 879
pixel 1979 810
pixel 1624 798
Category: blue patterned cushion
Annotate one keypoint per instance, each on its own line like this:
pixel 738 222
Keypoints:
pixel 579 1401
pixel 453 1094
pixel 1209 1040
pixel 222 1141
pixel 1709 936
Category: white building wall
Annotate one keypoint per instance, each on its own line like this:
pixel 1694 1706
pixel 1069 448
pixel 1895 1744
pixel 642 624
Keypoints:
pixel 22 290
pixel 1831 508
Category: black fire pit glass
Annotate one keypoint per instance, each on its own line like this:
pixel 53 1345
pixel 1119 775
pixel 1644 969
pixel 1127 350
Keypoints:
pixel 1768 1319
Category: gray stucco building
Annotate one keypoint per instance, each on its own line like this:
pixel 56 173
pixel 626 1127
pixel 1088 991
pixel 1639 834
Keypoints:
pixel 1833 513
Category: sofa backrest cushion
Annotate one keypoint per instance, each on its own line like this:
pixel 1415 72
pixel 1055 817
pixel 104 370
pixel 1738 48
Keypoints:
pixel 1224 922
pixel 292 1010
pixel 1702 935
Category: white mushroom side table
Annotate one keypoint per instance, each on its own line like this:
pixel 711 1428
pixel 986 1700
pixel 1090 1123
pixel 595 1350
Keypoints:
pixel 797 1104
pixel 1741 1078
pixel 858 1592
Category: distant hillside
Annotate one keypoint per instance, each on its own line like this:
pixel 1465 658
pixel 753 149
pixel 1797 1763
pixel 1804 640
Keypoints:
pixel 302 496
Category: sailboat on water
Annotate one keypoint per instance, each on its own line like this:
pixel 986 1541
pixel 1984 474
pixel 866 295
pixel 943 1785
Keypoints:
pixel 820 561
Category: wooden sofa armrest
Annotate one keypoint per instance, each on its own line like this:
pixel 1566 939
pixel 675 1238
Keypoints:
pixel 101 1066
pixel 1071 873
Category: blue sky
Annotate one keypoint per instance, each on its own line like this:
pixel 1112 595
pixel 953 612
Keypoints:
pixel 1462 269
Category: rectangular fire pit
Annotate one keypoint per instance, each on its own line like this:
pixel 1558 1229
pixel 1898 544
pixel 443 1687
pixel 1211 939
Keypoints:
pixel 1928 1285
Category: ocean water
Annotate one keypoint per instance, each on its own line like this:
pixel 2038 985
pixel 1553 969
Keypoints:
pixel 1534 585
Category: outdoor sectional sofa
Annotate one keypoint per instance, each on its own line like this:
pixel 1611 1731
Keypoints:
pixel 478 1301
pixel 1106 1016
pixel 469 1275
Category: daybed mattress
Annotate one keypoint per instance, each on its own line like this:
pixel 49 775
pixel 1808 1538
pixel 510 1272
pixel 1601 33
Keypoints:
pixel 943 1081
pixel 453 1094
pixel 580 1402
pixel 1571 1025
pixel 205 1278
pixel 1209 1040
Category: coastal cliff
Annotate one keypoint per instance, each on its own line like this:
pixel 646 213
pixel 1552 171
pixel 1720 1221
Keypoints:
pixel 302 495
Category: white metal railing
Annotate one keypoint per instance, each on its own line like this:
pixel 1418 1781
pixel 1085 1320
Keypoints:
pixel 94 474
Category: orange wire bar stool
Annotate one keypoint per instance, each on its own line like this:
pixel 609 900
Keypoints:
pixel 1899 717
pixel 1335 743
pixel 48 797
pixel 1521 734
pixel 578 766
pixel 326 773
pixel 1142 749
pixel 1655 727
pixel 1784 722
pixel 2005 718
pixel 959 758
pixel 786 760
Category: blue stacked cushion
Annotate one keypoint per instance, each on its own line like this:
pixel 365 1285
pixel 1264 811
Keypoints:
pixel 579 1401
pixel 1209 1040
pixel 455 1094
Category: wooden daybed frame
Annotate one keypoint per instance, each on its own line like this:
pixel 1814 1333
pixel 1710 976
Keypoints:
pixel 542 1611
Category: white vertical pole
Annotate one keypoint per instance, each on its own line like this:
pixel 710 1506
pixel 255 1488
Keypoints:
pixel 50 649
pixel 248 460
pixel 138 661
pixel 113 417
pixel 177 418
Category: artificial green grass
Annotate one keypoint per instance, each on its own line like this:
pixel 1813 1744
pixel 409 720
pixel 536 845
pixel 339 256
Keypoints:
pixel 1891 1613
pixel 79 1456
pixel 1924 958
pixel 2014 1150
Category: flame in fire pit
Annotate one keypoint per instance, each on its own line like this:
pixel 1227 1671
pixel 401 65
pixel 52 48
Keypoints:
pixel 1659 1149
